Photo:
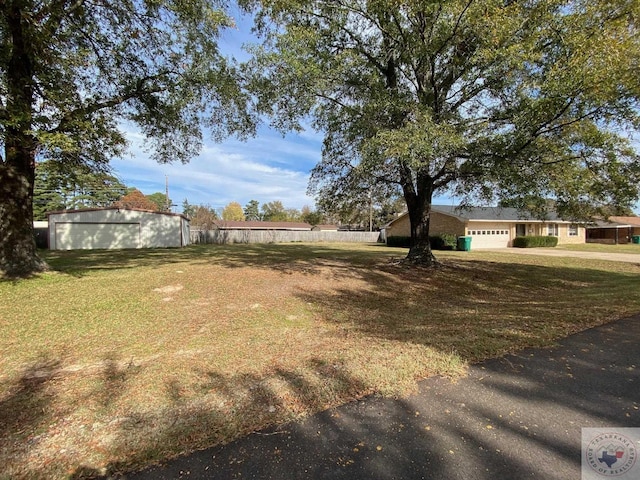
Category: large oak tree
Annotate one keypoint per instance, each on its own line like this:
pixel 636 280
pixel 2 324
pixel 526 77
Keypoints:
pixel 73 72
pixel 488 100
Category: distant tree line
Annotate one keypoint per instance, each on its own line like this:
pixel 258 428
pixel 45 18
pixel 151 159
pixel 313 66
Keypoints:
pixel 203 216
pixel 57 190
pixel 358 215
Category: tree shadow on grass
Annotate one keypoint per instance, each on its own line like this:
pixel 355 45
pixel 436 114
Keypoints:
pixel 24 406
pixel 287 258
pixel 31 407
pixel 114 376
pixel 477 309
pixel 26 399
pixel 235 406
pixel 80 262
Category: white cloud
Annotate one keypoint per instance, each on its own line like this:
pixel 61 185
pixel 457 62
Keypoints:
pixel 266 168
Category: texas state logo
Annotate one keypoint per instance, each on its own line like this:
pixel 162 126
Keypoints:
pixel 610 454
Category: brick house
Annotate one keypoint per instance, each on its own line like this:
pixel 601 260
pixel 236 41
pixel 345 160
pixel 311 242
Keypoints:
pixel 490 227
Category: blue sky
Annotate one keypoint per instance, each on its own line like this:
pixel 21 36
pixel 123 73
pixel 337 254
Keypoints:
pixel 265 168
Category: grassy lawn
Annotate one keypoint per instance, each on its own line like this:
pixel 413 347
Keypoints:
pixel 114 360
pixel 598 247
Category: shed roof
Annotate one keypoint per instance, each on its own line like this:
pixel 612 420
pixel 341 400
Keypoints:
pixel 325 227
pixel 99 209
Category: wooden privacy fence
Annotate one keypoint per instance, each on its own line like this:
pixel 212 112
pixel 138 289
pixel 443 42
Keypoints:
pixel 279 236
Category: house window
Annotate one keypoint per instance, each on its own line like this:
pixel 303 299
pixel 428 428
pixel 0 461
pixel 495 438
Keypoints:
pixel 552 230
pixel 573 230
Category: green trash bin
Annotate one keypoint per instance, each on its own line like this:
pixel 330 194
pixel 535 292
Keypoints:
pixel 635 239
pixel 464 244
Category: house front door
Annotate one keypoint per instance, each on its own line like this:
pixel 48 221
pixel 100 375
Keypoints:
pixel 521 229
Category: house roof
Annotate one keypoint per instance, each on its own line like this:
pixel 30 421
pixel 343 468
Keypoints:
pixel 239 225
pixel 493 214
pixel 99 209
pixel 615 222
pixel 488 214
pixel 325 227
pixel 633 221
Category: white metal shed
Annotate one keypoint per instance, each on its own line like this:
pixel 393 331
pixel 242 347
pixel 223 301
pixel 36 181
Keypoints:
pixel 116 228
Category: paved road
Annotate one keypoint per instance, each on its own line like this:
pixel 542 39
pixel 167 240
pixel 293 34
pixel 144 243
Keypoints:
pixel 552 252
pixel 516 417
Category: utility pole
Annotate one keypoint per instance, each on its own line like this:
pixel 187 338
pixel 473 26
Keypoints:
pixel 167 202
pixel 370 211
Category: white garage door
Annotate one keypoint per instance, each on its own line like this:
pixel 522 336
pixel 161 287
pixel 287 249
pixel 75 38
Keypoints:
pixel 489 238
pixel 78 236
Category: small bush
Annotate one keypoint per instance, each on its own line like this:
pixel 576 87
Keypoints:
pixel 442 241
pixel 398 241
pixel 532 242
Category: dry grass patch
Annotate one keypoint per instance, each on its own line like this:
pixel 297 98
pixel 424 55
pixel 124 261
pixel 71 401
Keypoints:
pixel 118 359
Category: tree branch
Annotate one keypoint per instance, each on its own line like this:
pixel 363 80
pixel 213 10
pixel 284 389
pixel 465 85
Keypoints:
pixel 139 91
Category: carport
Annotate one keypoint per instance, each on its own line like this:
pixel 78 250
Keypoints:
pixel 609 232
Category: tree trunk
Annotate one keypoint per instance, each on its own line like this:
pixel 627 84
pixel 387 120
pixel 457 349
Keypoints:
pixel 18 254
pixel 419 207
